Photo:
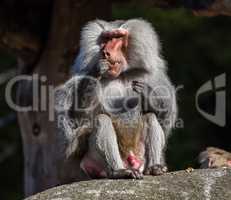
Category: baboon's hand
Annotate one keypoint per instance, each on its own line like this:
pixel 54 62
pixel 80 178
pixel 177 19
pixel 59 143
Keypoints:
pixel 141 88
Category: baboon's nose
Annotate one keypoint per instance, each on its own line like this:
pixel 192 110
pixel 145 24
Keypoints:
pixel 113 48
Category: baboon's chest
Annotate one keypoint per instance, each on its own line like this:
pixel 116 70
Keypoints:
pixel 123 106
pixel 118 98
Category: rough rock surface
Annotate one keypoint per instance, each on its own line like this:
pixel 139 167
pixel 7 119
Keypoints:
pixel 207 184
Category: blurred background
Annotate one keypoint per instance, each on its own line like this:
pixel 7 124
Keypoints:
pixel 197 49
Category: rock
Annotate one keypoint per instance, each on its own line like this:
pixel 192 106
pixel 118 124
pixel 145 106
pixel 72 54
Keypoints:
pixel 203 184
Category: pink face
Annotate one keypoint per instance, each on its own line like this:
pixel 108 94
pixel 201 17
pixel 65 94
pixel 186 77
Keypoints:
pixel 114 47
pixel 229 163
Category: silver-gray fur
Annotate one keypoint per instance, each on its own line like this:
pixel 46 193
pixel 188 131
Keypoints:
pixel 146 67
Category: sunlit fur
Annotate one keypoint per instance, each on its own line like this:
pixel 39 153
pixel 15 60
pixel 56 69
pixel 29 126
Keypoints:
pixel 143 45
pixel 146 65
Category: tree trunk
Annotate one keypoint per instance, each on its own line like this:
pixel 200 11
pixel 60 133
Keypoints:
pixel 43 167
